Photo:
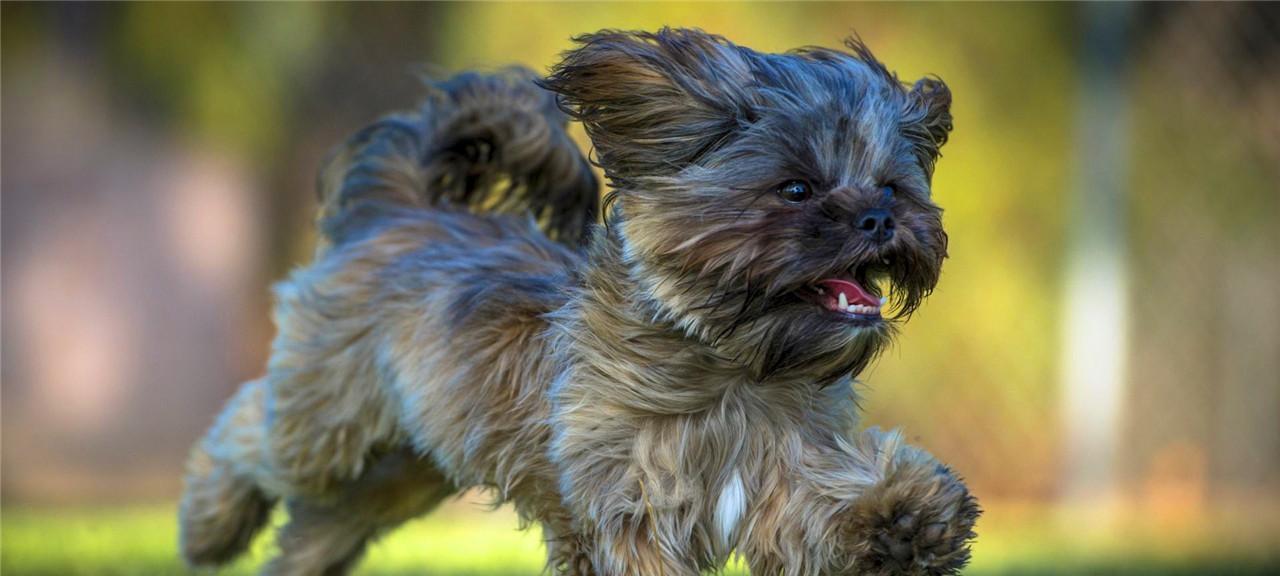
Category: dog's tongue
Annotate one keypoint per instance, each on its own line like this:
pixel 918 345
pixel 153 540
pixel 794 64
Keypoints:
pixel 854 293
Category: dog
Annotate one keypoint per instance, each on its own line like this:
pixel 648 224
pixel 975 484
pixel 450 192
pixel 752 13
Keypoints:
pixel 658 391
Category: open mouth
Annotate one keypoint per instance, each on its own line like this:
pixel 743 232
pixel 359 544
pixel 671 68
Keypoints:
pixel 855 296
pixel 848 297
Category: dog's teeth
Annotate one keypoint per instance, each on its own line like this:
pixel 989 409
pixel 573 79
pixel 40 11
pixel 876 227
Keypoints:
pixel 844 302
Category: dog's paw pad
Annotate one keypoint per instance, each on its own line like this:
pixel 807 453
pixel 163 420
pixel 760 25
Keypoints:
pixel 896 540
pixel 932 534
pixel 923 531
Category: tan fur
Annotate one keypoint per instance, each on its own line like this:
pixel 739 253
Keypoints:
pixel 431 349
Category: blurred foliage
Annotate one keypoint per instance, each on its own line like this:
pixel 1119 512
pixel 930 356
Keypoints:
pixel 232 93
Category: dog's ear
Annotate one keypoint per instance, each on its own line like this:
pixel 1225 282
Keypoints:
pixel 927 119
pixel 653 102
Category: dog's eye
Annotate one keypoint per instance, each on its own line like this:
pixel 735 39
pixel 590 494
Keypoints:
pixel 795 191
pixel 887 191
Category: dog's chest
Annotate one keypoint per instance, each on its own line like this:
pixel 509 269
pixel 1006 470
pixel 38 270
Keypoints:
pixel 749 454
pixel 730 508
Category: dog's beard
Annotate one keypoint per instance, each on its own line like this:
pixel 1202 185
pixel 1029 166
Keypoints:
pixel 819 316
pixel 826 324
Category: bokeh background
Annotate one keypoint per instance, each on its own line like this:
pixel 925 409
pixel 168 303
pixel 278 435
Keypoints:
pixel 1101 360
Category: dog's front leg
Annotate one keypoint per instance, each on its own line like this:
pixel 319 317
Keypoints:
pixel 916 519
pixel 878 507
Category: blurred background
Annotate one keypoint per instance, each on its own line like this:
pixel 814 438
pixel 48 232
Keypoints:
pixel 1101 360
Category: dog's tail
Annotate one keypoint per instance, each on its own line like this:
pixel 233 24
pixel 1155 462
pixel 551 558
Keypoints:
pixel 222 506
pixel 484 142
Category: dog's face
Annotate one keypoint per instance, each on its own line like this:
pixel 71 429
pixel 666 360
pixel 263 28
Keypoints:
pixel 775 206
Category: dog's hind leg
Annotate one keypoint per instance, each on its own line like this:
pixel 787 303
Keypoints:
pixel 568 550
pixel 328 536
pixel 223 507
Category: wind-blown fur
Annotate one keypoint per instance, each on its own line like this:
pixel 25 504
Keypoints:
pixel 657 393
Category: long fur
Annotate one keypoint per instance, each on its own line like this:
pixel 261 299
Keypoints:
pixel 656 394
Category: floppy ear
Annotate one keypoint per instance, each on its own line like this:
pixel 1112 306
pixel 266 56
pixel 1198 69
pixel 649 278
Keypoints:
pixel 653 102
pixel 927 119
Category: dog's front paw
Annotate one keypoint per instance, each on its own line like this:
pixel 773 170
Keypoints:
pixel 917 521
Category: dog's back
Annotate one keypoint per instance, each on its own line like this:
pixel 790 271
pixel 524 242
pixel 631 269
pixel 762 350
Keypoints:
pixel 447 235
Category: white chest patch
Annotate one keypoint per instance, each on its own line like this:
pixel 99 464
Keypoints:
pixel 730 508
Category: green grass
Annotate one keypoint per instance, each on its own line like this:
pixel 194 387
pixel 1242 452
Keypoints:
pixel 143 541
pixel 140 541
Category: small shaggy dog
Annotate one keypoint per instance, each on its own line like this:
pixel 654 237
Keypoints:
pixel 658 392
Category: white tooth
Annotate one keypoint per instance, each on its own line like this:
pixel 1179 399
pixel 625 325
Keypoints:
pixel 856 309
pixel 844 301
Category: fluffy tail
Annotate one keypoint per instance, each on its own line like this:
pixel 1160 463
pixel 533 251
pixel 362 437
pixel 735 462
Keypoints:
pixel 487 142
pixel 222 506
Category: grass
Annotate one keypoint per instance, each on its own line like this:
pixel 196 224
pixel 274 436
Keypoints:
pixel 141 541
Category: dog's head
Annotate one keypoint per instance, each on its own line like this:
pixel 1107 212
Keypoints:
pixel 776 206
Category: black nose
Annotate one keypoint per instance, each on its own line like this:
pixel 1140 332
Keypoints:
pixel 877 224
